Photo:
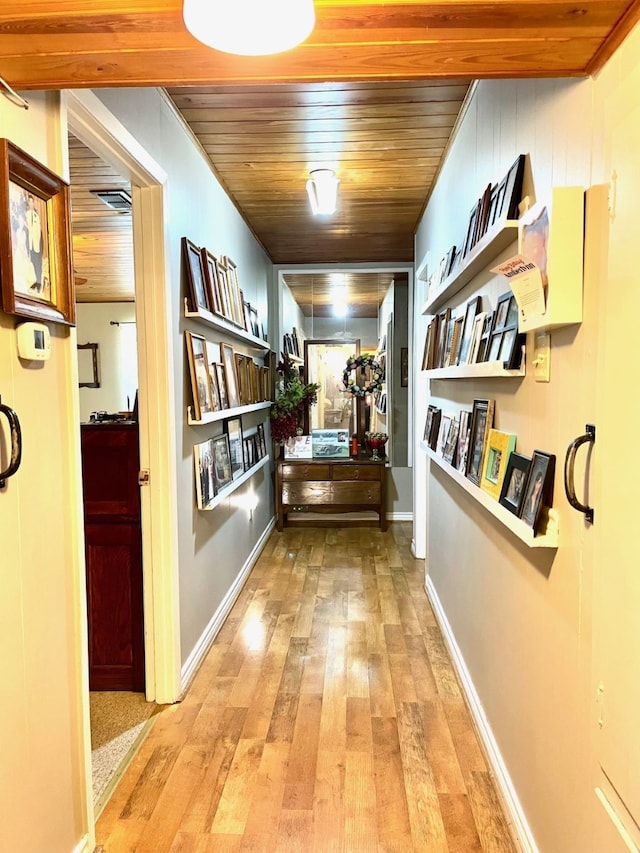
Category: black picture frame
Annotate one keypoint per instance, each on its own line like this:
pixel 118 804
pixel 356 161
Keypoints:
pixel 233 429
pixel 515 481
pixel 432 426
pixel 539 489
pixel 512 194
pixel 223 472
pixel 505 342
pixel 197 284
pixel 481 423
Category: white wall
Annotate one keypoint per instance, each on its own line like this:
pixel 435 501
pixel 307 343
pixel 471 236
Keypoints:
pixel 117 356
pixel 213 546
pixel 522 619
pixel 42 618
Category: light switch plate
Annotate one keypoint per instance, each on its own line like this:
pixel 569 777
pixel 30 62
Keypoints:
pixel 541 356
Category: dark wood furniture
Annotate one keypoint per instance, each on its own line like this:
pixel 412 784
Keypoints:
pixel 329 486
pixel 113 549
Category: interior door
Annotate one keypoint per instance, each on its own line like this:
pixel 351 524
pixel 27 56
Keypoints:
pixel 616 476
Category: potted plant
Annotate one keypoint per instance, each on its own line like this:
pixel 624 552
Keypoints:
pixel 293 399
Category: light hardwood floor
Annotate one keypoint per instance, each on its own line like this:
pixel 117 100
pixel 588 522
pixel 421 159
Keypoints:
pixel 325 717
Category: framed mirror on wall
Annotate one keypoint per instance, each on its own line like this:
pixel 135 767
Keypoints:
pixel 324 363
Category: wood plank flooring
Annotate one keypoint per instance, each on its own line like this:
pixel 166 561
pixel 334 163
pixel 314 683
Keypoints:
pixel 325 717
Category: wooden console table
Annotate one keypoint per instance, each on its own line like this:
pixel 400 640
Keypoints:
pixel 329 486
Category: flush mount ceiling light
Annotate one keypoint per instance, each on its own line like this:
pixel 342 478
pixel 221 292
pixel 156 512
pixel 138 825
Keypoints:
pixel 249 27
pixel 322 188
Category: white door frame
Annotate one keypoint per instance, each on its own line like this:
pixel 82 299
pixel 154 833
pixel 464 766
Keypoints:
pixel 90 120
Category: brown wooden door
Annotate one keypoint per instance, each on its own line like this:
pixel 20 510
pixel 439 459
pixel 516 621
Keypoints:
pixel 113 548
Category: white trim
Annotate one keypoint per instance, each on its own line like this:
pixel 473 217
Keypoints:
pixel 98 128
pixel 518 822
pixel 399 516
pixel 83 846
pixel 190 666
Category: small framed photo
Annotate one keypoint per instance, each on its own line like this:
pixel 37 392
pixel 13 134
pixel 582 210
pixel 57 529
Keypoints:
pixel 36 275
pixel 262 443
pixel 198 295
pixel 462 450
pixel 500 445
pixel 432 426
pixel 515 480
pixel 505 342
pixel 481 423
pixel 233 429
pixel 210 267
pixel 451 442
pixel 222 470
pixel 204 471
pixel 249 445
pixel 229 362
pixel 298 447
pixel 539 489
pixel 512 190
pixel 468 326
pixel 199 371
pixel 221 380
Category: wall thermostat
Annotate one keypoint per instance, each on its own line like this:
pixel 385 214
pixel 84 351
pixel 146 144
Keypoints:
pixel 34 341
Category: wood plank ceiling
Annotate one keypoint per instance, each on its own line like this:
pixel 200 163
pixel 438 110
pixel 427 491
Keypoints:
pixel 374 93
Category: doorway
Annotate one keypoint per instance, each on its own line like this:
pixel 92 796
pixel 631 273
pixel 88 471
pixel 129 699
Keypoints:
pixel 96 127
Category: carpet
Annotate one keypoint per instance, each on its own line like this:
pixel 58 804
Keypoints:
pixel 119 723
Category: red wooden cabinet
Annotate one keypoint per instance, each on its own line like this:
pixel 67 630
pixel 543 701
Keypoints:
pixel 113 548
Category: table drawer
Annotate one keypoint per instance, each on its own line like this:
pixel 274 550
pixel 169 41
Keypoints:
pixel 356 493
pixel 356 472
pixel 305 472
pixel 316 492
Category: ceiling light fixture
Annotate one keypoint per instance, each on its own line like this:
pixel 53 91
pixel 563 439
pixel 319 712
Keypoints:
pixel 322 189
pixel 249 27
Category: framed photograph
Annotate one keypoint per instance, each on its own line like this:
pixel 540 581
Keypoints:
pixel 222 470
pixel 210 267
pixel 235 297
pixel 233 429
pixel 451 442
pixel 443 431
pixel 514 482
pixel 221 380
pixel 431 426
pixel 481 423
pixel 539 489
pixel 204 472
pixel 512 195
pixel 462 450
pixel 505 342
pixel 249 448
pixel 199 371
pixel 500 445
pixel 443 326
pixel 225 295
pixel 197 286
pixel 468 326
pixel 229 362
pixel 476 336
pixel 88 372
pixel 298 447
pixel 262 443
pixel 36 274
pixel 404 367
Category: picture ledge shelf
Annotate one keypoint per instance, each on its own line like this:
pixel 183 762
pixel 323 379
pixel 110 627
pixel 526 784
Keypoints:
pixel 228 490
pixel 212 417
pixel 548 539
pixel 223 325
pixel 295 359
pixel 485 250
pixel 487 369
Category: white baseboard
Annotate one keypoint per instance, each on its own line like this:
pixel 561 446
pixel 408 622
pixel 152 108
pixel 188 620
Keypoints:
pixel 519 824
pixel 209 634
pixel 82 846
pixel 399 516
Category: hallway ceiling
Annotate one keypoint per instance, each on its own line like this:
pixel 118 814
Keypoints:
pixel 373 93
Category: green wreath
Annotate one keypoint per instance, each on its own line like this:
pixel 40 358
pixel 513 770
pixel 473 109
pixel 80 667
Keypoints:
pixel 350 381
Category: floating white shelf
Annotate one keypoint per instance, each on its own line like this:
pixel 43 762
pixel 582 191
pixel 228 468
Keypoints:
pixel 226 326
pixel 230 489
pixel 212 417
pixel 484 369
pixel 295 359
pixel 485 250
pixel 545 539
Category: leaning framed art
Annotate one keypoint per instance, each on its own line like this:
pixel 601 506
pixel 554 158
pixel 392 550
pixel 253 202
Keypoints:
pixel 36 274
pixel 481 423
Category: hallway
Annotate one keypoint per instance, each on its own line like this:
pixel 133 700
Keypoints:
pixel 325 717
